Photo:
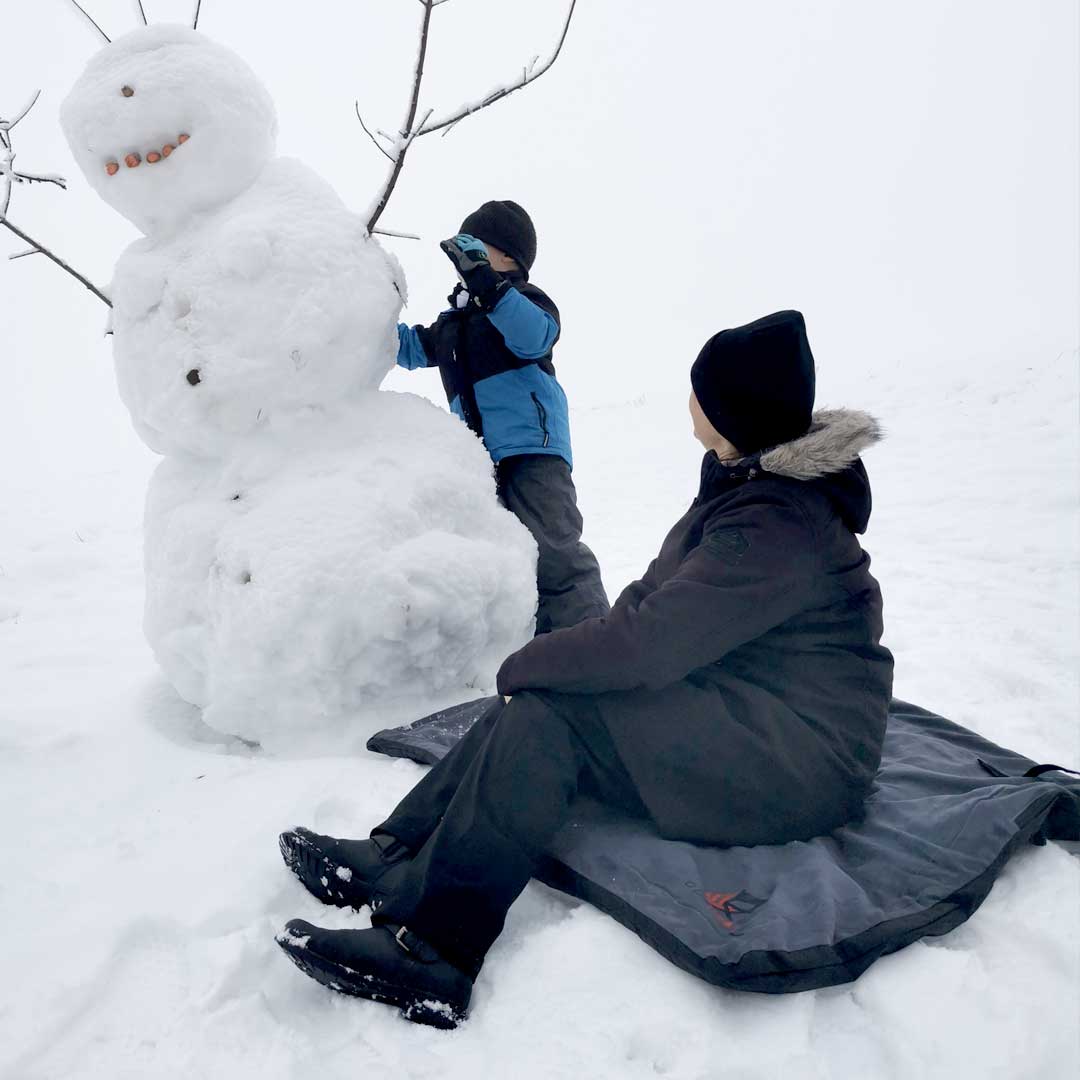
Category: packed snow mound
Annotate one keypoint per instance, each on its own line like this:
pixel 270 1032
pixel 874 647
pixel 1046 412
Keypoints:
pixel 277 301
pixel 331 564
pixel 314 548
pixel 168 87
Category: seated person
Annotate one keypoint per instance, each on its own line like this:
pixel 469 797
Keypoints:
pixel 737 694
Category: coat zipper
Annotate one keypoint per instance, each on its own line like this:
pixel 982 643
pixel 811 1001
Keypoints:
pixel 541 413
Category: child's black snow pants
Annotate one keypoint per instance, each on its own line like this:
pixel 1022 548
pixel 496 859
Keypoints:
pixel 480 819
pixel 539 490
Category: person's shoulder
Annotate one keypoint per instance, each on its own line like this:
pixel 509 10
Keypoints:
pixel 775 502
pixel 537 296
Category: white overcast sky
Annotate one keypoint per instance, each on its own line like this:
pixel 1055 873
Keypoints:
pixel 905 173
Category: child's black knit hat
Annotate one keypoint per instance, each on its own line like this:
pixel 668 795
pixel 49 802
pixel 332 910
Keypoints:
pixel 507 226
pixel 755 383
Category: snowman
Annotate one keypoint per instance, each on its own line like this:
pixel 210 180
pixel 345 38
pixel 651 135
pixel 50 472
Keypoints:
pixel 316 549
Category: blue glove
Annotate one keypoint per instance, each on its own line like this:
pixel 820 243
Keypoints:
pixel 470 257
pixel 466 252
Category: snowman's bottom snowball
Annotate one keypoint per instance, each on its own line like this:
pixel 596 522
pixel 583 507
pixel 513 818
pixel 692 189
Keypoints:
pixel 334 566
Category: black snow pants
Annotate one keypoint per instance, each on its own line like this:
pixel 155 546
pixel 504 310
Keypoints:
pixel 539 490
pixel 480 819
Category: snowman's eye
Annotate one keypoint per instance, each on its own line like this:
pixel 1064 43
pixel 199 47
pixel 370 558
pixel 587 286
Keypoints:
pixel 127 91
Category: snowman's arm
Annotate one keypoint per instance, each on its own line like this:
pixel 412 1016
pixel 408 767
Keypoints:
pixel 412 352
pixel 528 329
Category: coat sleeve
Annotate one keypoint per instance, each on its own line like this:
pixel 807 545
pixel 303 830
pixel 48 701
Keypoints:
pixel 755 567
pixel 416 347
pixel 527 328
pixel 636 591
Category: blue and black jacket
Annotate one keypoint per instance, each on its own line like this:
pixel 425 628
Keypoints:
pixel 496 369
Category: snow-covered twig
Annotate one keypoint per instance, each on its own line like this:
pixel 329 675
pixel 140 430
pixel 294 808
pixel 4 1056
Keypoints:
pixel 529 75
pixel 91 21
pixel 410 130
pixel 8 125
pixel 407 132
pixel 378 232
pixel 397 161
pixel 56 259
pixel 198 8
pixel 9 175
pixel 8 178
pixel 142 12
pixel 23 254
pixel 386 153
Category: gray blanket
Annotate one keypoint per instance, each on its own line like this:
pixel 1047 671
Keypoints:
pixel 947 810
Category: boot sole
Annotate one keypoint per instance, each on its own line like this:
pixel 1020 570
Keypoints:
pixel 414 1006
pixel 293 853
pixel 293 848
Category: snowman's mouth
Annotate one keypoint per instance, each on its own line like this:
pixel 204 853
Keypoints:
pixel 135 159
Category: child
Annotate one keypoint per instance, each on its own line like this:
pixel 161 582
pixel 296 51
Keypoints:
pixel 493 349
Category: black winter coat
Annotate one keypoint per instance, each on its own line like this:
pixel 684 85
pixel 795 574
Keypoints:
pixel 742 679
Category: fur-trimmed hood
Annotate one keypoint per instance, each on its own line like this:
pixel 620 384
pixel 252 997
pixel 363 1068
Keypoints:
pixel 826 458
pixel 835 440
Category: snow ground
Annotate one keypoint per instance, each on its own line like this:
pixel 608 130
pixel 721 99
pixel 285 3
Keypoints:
pixel 144 886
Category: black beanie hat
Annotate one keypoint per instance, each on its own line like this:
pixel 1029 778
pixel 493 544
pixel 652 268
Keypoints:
pixel 507 226
pixel 755 383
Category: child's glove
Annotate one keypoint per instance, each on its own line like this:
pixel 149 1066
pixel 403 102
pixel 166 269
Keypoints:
pixel 470 257
pixel 466 252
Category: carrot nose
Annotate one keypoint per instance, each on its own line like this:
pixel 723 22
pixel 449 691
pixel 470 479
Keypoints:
pixel 112 168
pixel 132 160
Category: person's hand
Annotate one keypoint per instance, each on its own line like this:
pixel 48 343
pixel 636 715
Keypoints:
pixel 485 286
pixel 466 253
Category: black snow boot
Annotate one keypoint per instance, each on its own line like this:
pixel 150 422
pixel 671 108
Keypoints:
pixel 340 872
pixel 387 964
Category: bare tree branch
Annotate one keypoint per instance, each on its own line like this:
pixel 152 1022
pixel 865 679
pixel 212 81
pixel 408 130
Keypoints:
pixel 198 8
pixel 406 133
pixel 529 75
pixel 91 21
pixel 34 178
pixel 378 232
pixel 418 75
pixel 378 146
pixel 9 175
pixel 8 125
pixel 142 13
pixel 56 259
pixel 8 178
pixel 23 254
pixel 410 130
pixel 397 163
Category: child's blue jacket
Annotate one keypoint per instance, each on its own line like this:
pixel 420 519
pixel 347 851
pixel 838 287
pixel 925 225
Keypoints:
pixel 497 371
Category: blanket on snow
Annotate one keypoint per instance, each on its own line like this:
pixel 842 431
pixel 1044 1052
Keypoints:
pixel 947 810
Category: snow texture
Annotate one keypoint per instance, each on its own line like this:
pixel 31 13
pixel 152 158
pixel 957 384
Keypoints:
pixel 181 83
pixel 935 258
pixel 323 568
pixel 166 967
pixel 313 545
pixel 278 301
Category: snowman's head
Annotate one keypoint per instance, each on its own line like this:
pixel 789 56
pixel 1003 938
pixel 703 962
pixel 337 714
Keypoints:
pixel 164 123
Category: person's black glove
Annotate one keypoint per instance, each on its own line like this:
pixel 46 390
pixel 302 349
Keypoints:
pixel 470 258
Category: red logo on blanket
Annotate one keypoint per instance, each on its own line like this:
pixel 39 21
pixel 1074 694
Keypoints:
pixel 728 904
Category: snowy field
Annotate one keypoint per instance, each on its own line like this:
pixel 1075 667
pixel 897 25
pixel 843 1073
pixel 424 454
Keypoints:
pixel 936 261
pixel 144 884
